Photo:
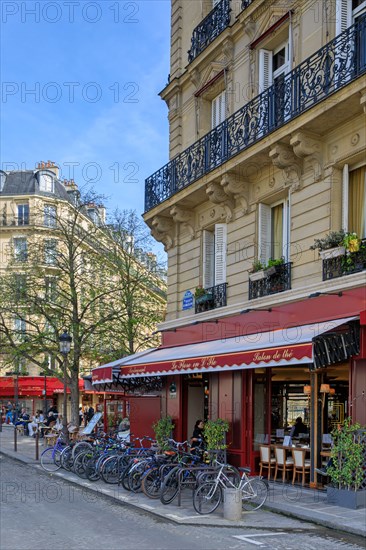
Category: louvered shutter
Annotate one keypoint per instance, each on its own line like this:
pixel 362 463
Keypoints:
pixel 218 109
pixel 208 258
pixel 265 70
pixel 343 15
pixel 345 193
pixel 264 233
pixel 215 2
pixel 220 253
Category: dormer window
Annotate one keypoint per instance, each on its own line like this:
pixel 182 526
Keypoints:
pixel 46 182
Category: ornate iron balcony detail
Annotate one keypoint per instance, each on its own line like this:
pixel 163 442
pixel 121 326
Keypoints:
pixel 351 262
pixel 325 72
pixel 211 26
pixel 277 280
pixel 214 297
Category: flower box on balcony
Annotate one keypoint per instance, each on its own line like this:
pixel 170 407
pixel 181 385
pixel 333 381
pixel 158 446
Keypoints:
pixel 257 275
pixel 332 252
pixel 204 298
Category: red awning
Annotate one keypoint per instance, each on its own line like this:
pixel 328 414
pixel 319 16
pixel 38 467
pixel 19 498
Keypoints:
pixel 32 386
pixel 282 347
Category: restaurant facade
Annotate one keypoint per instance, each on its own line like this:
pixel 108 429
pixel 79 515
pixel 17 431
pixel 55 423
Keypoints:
pixel 257 209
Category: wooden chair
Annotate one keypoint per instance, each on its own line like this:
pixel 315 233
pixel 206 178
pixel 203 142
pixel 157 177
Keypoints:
pixel 283 463
pixel 266 461
pixel 20 429
pixel 301 465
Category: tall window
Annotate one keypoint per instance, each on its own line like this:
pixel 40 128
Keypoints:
pixel 50 251
pixel 23 214
pixel 354 200
pixel 20 285
pixel 348 12
pixel 214 256
pixel 273 231
pixel 50 288
pixel 20 249
pixel 218 109
pixel 273 68
pixel 19 327
pixel 49 212
pixel 46 182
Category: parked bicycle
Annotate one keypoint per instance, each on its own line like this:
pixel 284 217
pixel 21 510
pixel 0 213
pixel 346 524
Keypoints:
pixel 208 495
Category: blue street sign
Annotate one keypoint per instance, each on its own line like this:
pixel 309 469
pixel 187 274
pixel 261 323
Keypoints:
pixel 187 300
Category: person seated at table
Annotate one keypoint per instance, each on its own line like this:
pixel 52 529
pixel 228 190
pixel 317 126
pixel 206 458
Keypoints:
pixel 298 428
pixel 52 415
pixel 23 420
pixel 33 425
pixel 59 423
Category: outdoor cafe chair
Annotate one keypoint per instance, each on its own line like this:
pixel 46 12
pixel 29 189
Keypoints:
pixel 301 465
pixel 266 461
pixel 283 463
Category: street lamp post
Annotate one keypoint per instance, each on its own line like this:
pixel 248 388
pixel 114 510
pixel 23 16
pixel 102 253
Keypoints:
pixel 65 345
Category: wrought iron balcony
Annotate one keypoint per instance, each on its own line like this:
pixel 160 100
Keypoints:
pixel 351 262
pixel 211 26
pixel 325 72
pixel 213 298
pixel 277 279
pixel 245 4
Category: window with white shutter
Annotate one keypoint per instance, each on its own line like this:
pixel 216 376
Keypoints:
pixel 343 15
pixel 265 70
pixel 220 253
pixel 218 109
pixel 214 256
pixel 215 2
pixel 273 231
pixel 208 258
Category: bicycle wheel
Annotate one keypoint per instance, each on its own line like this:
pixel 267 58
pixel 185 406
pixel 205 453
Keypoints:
pixel 254 494
pixel 207 497
pixel 91 469
pixel 79 463
pixel 169 488
pixel 151 482
pixel 48 461
pixel 79 447
pixel 233 475
pixel 66 458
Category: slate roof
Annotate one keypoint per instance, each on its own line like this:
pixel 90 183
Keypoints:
pixel 25 182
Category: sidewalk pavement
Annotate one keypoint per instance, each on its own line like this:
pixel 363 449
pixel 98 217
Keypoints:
pixel 293 502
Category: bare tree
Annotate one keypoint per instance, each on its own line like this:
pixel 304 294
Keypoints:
pixel 80 276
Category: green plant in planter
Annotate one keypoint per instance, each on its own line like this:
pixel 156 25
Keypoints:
pixel 257 266
pixel 331 240
pixel 214 433
pixel 274 263
pixel 163 429
pixel 347 468
pixel 199 292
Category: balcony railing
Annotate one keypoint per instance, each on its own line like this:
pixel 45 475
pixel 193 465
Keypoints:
pixel 329 69
pixel 209 28
pixel 214 297
pixel 245 4
pixel 278 280
pixel 351 262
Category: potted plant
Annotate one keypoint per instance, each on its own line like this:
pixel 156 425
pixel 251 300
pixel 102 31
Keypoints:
pixel 163 429
pixel 257 272
pixel 346 471
pixel 272 265
pixel 331 245
pixel 201 295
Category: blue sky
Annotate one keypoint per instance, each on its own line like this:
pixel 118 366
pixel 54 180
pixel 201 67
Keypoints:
pixel 79 85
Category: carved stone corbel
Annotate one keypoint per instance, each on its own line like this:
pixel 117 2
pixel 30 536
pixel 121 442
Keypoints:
pixel 185 217
pixel 217 195
pixel 308 148
pixel 283 157
pixel 237 189
pixel 228 50
pixel 249 27
pixel 162 231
